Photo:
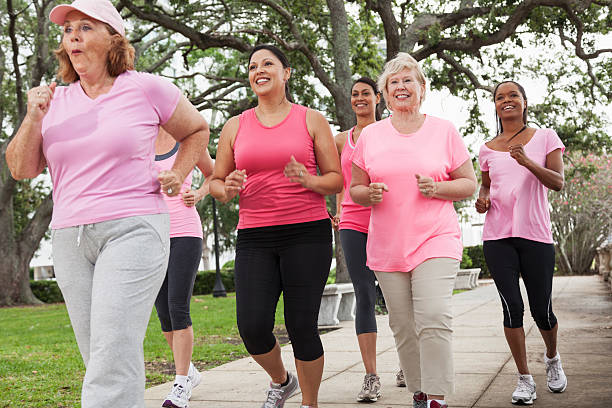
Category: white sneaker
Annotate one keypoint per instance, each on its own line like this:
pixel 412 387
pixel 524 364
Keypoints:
pixel 555 377
pixel 194 375
pixel 525 392
pixel 179 395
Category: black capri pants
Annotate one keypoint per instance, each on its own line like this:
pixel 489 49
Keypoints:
pixel 534 261
pixel 293 259
pixel 172 303
pixel 363 278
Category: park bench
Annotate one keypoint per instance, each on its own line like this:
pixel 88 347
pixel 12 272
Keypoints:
pixel 467 279
pixel 337 304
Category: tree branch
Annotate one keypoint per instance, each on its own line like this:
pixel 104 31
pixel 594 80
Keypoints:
pixel 15 49
pixel 464 70
pixel 37 227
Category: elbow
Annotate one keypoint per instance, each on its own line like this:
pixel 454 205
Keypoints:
pixel 558 186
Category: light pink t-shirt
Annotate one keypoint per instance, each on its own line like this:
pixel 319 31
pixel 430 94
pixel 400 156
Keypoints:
pixel 184 221
pixel 407 228
pixel 270 198
pixel 519 201
pixel 353 216
pixel 100 152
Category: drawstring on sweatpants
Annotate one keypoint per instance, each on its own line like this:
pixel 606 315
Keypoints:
pixel 79 235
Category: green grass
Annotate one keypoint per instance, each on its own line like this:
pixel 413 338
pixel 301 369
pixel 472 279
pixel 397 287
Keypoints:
pixel 40 364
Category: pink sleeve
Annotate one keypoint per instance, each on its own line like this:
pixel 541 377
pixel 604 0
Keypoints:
pixel 458 152
pixel 482 159
pixel 162 94
pixel 553 142
pixel 358 154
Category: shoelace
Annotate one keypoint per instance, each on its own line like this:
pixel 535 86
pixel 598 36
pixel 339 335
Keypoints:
pixel 274 394
pixel 525 386
pixel 552 370
pixel 178 390
pixel 368 383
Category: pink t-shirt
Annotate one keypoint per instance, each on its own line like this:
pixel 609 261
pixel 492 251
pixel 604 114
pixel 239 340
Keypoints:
pixel 100 152
pixel 519 201
pixel 184 221
pixel 268 197
pixel 353 216
pixel 407 228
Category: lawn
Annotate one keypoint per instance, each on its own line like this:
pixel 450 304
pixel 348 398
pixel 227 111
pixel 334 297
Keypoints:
pixel 40 364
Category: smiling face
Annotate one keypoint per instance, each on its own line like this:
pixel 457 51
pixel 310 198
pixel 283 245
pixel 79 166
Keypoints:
pixel 509 101
pixel 404 92
pixel 87 42
pixel 266 73
pixel 363 99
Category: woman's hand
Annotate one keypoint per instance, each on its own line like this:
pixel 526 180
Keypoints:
pixel 518 153
pixel 170 181
pixel 335 222
pixel 427 186
pixel 296 172
pixel 375 192
pixel 191 197
pixel 483 205
pixel 234 182
pixel 39 100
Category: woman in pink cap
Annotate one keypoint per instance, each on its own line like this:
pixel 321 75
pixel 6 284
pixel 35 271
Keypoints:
pixel 110 225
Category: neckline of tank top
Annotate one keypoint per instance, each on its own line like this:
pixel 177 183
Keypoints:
pixel 279 123
pixel 159 157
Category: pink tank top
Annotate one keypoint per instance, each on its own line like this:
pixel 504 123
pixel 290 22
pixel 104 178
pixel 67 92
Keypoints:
pixel 184 221
pixel 353 216
pixel 268 197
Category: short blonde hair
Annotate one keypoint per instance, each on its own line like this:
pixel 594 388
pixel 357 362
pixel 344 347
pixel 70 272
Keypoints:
pixel 120 58
pixel 402 61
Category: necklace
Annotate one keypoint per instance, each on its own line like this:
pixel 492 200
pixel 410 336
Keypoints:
pixel 516 134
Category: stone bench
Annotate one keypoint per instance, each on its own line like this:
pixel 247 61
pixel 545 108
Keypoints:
pixel 467 279
pixel 337 304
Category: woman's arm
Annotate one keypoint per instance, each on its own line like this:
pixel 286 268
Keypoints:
pixel 362 191
pixel 483 203
pixel 551 175
pixel 189 128
pixel 462 184
pixel 226 181
pixel 340 141
pixel 205 164
pixel 24 155
pixel 330 180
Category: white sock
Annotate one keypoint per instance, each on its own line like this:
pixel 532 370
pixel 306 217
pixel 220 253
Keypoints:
pixel 180 380
pixel 546 359
pixel 527 376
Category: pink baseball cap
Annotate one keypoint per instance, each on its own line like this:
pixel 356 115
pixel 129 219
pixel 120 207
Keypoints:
pixel 102 10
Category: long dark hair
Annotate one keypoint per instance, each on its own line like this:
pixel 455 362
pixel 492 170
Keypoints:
pixel 369 81
pixel 281 57
pixel 498 122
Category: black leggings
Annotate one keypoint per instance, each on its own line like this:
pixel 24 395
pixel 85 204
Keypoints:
pixel 293 259
pixel 172 303
pixel 364 280
pixel 535 261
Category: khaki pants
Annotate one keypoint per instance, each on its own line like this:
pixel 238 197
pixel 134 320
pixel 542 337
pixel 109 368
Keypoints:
pixel 420 317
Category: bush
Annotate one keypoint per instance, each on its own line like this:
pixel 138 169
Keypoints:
pixel 331 278
pixel 229 265
pixel 476 255
pixel 205 281
pixel 466 261
pixel 46 291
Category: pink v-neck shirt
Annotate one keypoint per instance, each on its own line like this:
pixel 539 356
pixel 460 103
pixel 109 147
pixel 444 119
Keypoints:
pixel 519 201
pixel 353 216
pixel 101 153
pixel 407 228
pixel 269 198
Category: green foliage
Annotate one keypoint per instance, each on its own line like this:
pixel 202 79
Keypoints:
pixel 466 261
pixel 227 218
pixel 476 255
pixel 46 291
pixel 331 278
pixel 205 281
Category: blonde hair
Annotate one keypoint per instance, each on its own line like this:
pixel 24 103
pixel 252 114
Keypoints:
pixel 120 58
pixel 402 61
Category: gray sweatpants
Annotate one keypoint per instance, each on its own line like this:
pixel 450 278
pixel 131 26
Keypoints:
pixel 109 274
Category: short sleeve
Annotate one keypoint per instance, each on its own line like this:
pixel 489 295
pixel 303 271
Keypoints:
pixel 358 156
pixel 458 152
pixel 161 93
pixel 482 158
pixel 553 142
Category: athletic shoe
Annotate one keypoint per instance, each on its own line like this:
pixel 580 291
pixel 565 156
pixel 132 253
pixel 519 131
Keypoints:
pixel 555 377
pixel 525 392
pixel 179 396
pixel 419 400
pixel 194 375
pixel 277 394
pixel 370 390
pixel 399 379
pixel 436 404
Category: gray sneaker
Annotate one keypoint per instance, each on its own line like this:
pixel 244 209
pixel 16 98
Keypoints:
pixel 399 379
pixel 419 400
pixel 555 377
pixel 525 392
pixel 370 390
pixel 277 394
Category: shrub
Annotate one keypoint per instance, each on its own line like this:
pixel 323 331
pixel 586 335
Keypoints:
pixel 476 255
pixel 205 281
pixel 46 291
pixel 332 276
pixel 466 261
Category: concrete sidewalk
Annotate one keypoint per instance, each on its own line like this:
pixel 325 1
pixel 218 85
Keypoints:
pixel 485 372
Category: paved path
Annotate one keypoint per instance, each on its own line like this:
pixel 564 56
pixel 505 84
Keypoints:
pixel 485 372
